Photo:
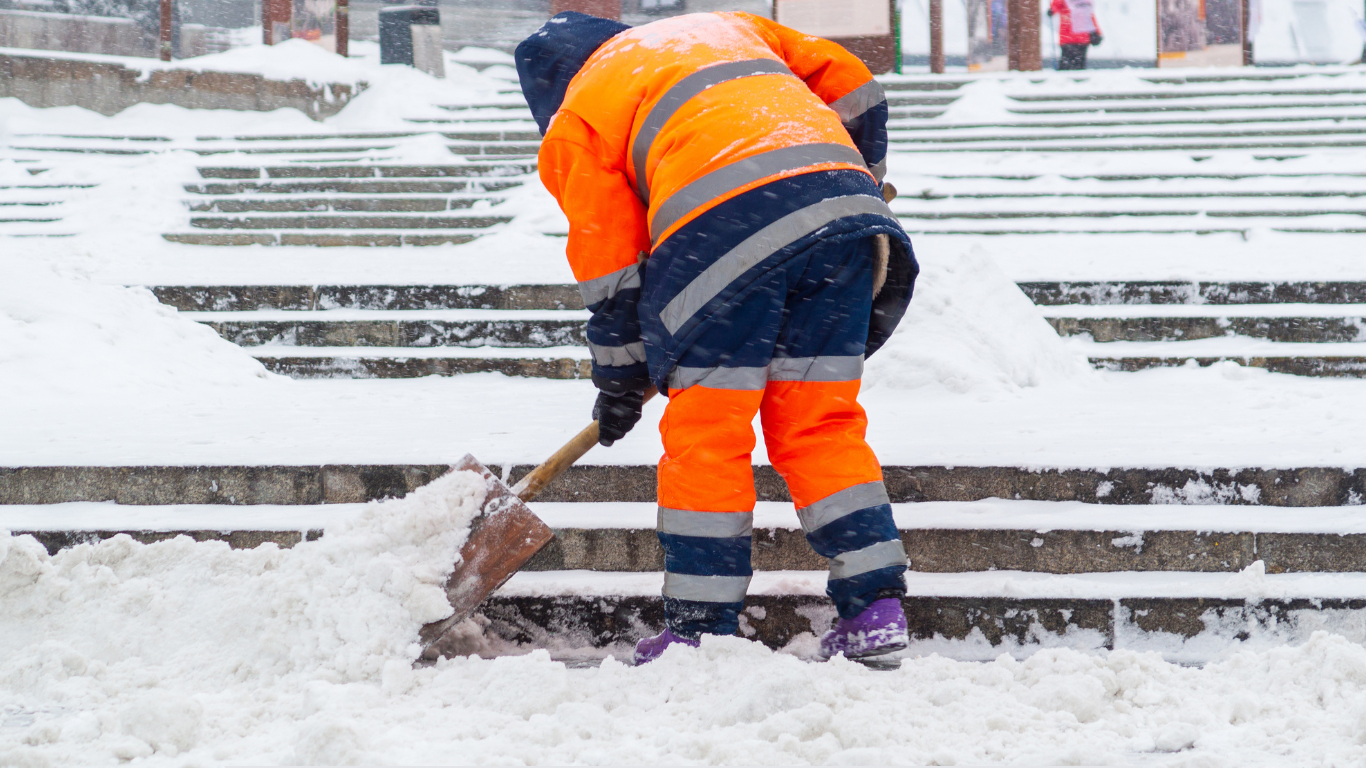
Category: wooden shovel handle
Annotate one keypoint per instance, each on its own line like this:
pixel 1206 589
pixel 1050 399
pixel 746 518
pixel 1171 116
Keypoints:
pixel 530 486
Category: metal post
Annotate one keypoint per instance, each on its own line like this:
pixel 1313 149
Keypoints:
pixel 1246 10
pixel 896 33
pixel 344 27
pixel 937 36
pixel 166 30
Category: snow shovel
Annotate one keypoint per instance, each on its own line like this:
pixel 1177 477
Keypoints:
pixel 504 536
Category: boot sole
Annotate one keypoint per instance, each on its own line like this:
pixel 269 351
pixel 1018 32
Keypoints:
pixel 874 653
pixel 882 650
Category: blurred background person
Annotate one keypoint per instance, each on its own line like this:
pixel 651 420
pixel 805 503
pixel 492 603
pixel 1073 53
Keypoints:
pixel 1077 29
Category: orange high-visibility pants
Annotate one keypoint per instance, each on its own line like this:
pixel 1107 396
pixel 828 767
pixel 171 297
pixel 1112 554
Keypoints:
pixel 791 352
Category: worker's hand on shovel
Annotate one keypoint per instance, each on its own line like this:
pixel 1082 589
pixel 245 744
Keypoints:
pixel 616 414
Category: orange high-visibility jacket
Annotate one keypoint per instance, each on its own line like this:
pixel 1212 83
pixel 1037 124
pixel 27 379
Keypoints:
pixel 692 117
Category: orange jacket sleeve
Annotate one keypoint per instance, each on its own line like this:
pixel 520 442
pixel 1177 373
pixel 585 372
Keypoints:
pixel 608 238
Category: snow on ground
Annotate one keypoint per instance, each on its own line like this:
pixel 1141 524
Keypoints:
pixel 244 671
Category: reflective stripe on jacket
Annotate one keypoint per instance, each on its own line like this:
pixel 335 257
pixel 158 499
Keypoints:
pixel 669 123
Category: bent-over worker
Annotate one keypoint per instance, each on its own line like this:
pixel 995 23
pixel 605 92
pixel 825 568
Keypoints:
pixel 721 175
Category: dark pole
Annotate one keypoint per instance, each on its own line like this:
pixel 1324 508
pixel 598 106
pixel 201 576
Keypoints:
pixel 344 27
pixel 937 36
pixel 1247 25
pixel 166 30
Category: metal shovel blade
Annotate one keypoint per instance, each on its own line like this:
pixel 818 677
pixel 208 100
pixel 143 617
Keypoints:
pixel 502 538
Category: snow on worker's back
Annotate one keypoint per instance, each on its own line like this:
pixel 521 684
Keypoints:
pixel 106 620
pixel 970 329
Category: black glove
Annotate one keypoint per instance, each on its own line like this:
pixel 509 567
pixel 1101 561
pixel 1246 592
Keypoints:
pixel 616 414
pixel 1096 38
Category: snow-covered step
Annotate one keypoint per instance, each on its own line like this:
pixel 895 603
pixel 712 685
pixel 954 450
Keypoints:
pixel 1338 366
pixel 1174 143
pixel 319 148
pixel 566 296
pixel 497 148
pixel 323 238
pixel 223 298
pixel 1123 224
pixel 1305 323
pixel 1186 617
pixel 1146 174
pixel 525 134
pixel 357 186
pixel 340 204
pixel 1309 486
pixel 1341 359
pixel 398 328
pixel 940 537
pixel 1085 207
pixel 908 113
pixel 1142 292
pixel 993 535
pixel 1310 201
pixel 343 221
pixel 514 103
pixel 367 171
pixel 900 83
pixel 554 362
pixel 1140 120
pixel 494 117
pixel 1251 76
pixel 1349 89
pixel 960 135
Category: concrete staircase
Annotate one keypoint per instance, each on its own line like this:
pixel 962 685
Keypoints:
pixel 1194 154
pixel 347 205
pixel 35 207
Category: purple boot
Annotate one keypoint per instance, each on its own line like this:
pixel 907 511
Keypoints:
pixel 650 648
pixel 880 629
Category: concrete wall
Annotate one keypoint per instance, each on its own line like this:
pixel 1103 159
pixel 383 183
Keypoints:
pixel 63 32
pixel 108 88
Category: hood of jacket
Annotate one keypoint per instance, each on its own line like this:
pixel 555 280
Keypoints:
pixel 550 58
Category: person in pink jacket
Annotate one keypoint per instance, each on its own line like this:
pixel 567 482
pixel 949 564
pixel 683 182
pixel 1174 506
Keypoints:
pixel 1076 30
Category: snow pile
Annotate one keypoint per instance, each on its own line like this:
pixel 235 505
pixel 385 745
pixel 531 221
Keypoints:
pixel 66 335
pixel 982 101
pixel 970 329
pixel 290 60
pixel 146 635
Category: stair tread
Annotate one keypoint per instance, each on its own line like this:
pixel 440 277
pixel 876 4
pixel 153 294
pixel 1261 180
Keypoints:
pixel 510 353
pixel 985 515
pixel 1013 585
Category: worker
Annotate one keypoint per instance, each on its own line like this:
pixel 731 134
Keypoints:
pixel 1077 29
pixel 721 176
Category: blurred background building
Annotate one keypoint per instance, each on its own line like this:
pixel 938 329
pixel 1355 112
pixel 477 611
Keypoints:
pixel 1286 31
